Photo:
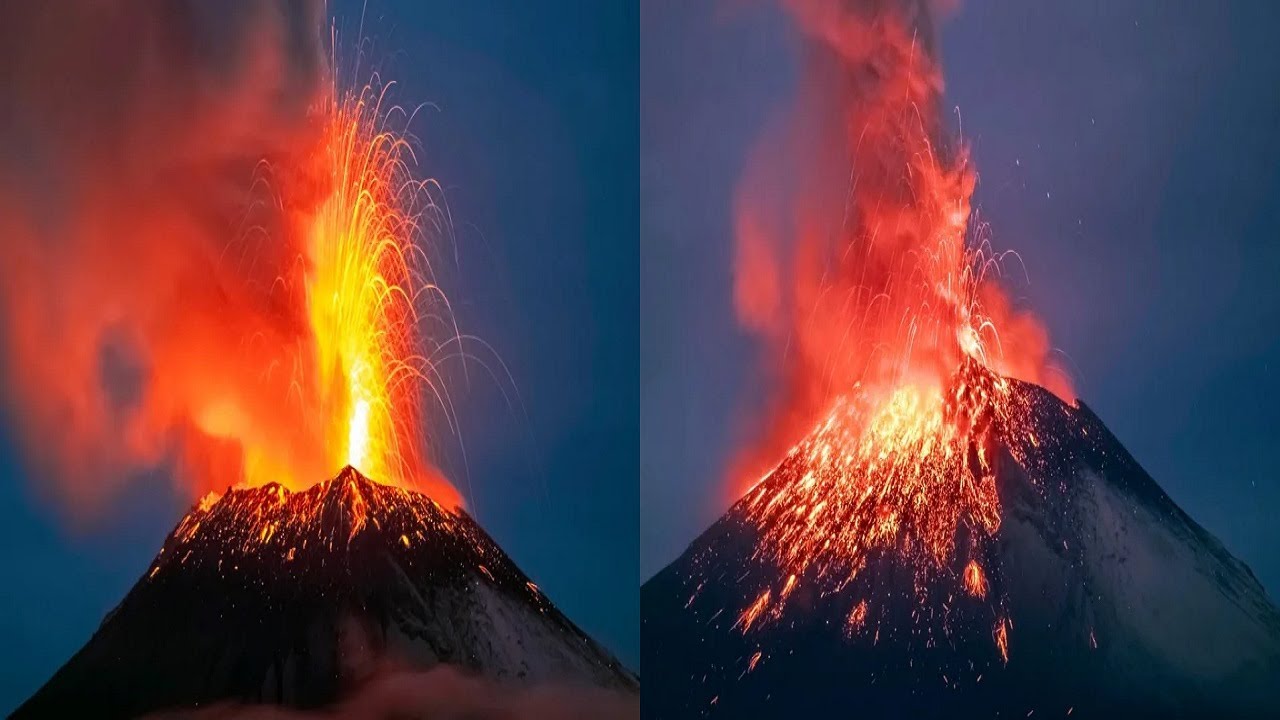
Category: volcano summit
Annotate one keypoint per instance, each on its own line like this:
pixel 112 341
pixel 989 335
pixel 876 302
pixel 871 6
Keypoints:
pixel 267 595
pixel 990 552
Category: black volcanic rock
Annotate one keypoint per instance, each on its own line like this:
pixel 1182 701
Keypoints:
pixel 294 598
pixel 1119 605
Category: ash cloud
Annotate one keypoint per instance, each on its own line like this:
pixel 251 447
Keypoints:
pixel 441 693
pixel 143 244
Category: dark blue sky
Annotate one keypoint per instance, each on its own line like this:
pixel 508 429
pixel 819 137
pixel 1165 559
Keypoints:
pixel 1128 151
pixel 535 136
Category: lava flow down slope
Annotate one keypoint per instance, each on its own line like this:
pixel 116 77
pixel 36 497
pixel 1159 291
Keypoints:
pixel 271 596
pixel 928 523
pixel 1071 585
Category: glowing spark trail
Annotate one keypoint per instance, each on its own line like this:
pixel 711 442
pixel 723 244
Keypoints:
pixel 894 336
pixel 365 280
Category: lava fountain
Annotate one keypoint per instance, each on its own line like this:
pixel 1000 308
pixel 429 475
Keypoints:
pixel 218 258
pixel 366 283
pixel 879 299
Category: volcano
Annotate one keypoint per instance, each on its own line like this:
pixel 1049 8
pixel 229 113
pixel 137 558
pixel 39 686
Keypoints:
pixel 1069 584
pixel 269 596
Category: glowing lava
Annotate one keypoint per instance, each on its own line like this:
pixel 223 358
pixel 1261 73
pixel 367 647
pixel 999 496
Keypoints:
pixel 975 580
pixel 272 521
pixel 364 291
pixel 365 279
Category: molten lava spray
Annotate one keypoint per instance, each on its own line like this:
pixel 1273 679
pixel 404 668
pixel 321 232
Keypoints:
pixel 213 256
pixel 364 280
pixel 857 265
pixel 853 219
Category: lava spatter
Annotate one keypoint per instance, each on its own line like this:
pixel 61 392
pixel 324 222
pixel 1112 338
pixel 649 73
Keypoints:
pixel 903 473
pixel 272 522
pixel 1024 562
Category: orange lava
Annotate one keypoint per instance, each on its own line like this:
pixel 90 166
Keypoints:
pixel 752 613
pixel 860 267
pixel 857 618
pixel 365 282
pixel 237 290
pixel 859 262
pixel 1001 634
pixel 975 580
pixel 895 473
pixel 273 523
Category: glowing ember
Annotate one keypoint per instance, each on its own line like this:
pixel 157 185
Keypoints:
pixel 365 279
pixel 889 324
pixel 364 289
pixel 752 613
pixel 271 523
pixel 857 618
pixel 1002 639
pixel 901 475
pixel 238 288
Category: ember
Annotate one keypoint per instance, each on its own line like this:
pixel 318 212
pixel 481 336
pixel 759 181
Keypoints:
pixel 366 282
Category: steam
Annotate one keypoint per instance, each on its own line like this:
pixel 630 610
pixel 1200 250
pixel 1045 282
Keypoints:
pixel 851 220
pixel 146 261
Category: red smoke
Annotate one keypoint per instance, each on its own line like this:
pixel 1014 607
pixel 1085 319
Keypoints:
pixel 855 256
pixel 158 196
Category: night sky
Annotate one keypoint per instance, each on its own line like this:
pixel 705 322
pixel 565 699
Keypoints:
pixel 1127 151
pixel 533 131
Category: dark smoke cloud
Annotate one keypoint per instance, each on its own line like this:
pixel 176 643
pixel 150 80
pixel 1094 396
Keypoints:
pixel 142 245
pixel 441 693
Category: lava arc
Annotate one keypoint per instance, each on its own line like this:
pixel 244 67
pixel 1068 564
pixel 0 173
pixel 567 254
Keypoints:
pixel 368 290
pixel 928 522
pixel 893 582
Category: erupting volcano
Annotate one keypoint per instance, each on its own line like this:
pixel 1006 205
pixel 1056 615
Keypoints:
pixel 943 536
pixel 268 595
pixel 279 591
pixel 274 321
pixel 1031 566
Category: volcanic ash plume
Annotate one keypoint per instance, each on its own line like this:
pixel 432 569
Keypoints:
pixel 852 220
pixel 173 181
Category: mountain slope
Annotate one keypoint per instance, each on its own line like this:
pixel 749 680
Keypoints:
pixel 269 596
pixel 1093 595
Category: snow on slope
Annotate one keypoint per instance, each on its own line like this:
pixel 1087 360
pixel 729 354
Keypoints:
pixel 267 596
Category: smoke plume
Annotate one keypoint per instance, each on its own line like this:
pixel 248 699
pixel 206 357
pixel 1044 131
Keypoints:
pixel 855 260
